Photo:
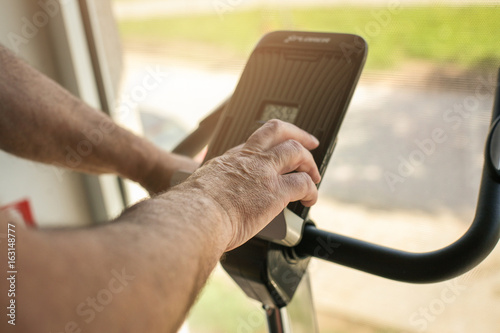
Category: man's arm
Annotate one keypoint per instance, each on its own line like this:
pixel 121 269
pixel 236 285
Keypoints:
pixel 142 272
pixel 41 121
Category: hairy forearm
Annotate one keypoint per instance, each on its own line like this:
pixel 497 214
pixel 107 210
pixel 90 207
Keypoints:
pixel 152 261
pixel 42 121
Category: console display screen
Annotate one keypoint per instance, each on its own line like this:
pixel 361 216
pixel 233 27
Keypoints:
pixel 286 113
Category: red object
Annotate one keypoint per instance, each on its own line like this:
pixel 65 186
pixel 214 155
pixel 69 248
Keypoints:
pixel 22 208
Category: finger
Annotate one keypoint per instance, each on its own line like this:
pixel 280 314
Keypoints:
pixel 292 156
pixel 276 131
pixel 299 186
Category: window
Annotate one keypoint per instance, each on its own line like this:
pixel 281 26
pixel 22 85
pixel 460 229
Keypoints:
pixel 406 170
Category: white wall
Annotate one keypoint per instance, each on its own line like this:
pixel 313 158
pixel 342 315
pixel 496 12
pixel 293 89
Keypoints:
pixel 57 197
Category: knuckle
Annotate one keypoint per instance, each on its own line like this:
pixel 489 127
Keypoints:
pixel 306 180
pixel 275 125
pixel 294 146
pixel 301 180
pixel 307 183
pixel 274 122
pixel 271 128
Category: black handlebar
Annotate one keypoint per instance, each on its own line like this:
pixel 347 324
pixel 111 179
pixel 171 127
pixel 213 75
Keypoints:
pixel 435 266
pixel 196 141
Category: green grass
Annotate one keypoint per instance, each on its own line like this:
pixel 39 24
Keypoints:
pixel 464 36
pixel 223 307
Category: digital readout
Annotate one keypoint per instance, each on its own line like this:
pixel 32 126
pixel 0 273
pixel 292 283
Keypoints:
pixel 286 113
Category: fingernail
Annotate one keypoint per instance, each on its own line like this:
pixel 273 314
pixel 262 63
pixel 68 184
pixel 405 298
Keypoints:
pixel 316 141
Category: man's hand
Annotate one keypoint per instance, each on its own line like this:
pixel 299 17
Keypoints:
pixel 253 182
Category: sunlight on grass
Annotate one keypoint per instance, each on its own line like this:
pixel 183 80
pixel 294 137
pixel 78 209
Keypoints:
pixel 464 36
pixel 223 307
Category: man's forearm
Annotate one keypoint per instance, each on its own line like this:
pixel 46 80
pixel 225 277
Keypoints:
pixel 152 262
pixel 42 121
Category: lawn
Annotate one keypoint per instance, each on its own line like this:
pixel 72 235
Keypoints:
pixel 464 36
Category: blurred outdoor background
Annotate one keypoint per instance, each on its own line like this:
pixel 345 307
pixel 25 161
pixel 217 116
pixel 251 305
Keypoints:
pixel 431 67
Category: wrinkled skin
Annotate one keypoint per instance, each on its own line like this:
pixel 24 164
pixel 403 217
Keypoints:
pixel 253 182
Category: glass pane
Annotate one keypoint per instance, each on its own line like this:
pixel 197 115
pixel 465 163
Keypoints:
pixel 406 169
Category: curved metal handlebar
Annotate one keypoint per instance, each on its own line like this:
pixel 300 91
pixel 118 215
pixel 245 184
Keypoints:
pixel 435 266
pixel 197 140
